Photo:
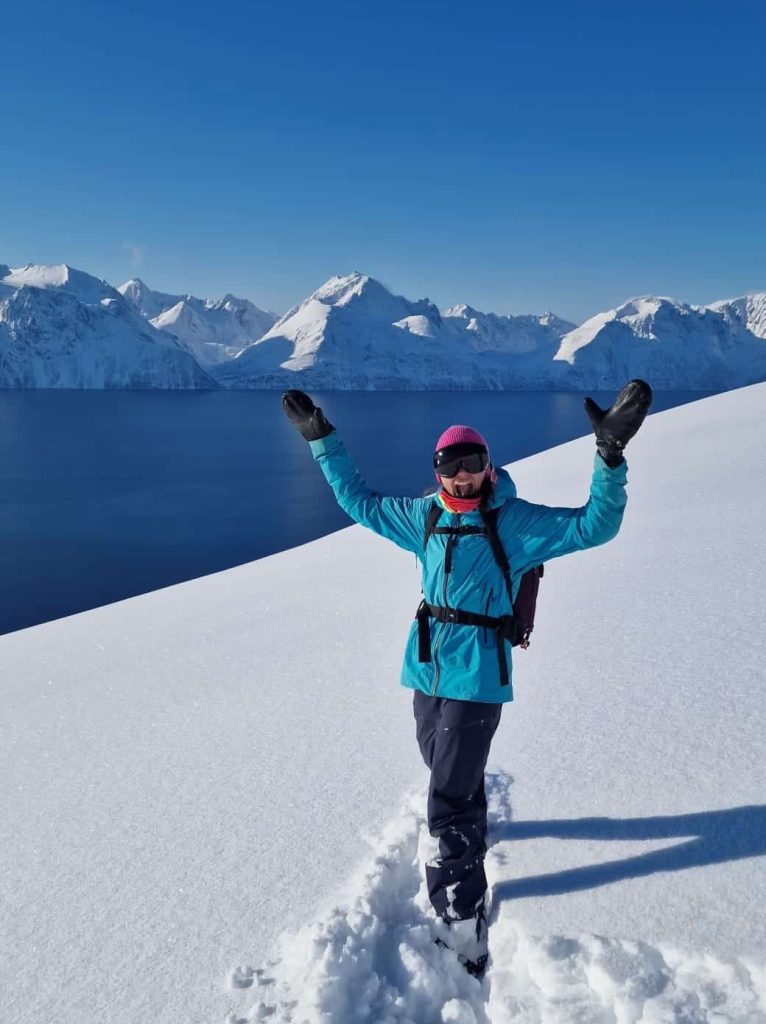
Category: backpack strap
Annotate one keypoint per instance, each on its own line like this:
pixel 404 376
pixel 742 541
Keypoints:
pixel 433 517
pixel 423 613
pixel 489 517
pixel 515 627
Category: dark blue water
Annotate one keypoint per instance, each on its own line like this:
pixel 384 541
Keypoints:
pixel 108 494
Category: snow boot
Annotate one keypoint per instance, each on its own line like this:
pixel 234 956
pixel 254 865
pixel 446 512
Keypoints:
pixel 468 939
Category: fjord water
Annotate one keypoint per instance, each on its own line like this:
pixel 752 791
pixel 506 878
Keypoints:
pixel 108 494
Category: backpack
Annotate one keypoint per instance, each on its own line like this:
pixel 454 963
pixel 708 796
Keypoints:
pixel 515 628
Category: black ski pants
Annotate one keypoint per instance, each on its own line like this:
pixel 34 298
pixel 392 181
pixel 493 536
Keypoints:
pixel 454 738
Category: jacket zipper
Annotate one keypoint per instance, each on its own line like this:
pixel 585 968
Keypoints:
pixel 451 541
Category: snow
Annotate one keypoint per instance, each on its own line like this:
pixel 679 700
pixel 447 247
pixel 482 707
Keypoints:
pixel 749 310
pixel 488 332
pixel 200 337
pixel 353 333
pixel 212 330
pixel 339 290
pixel 148 302
pixel 62 328
pixel 416 325
pixel 84 287
pixel 583 335
pixel 665 342
pixel 213 805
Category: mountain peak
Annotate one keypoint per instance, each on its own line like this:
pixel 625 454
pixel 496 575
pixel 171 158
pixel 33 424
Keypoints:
pixel 134 285
pixel 646 305
pixel 40 275
pixel 85 287
pixel 462 310
pixel 338 290
pixel 60 327
pixel 360 293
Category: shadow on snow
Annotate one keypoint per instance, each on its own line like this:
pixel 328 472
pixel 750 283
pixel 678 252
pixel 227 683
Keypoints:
pixel 713 837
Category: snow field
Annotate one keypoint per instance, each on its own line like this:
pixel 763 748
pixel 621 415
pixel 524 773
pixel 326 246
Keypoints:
pixel 372 958
pixel 186 778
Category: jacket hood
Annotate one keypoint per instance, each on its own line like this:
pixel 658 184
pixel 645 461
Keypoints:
pixel 505 488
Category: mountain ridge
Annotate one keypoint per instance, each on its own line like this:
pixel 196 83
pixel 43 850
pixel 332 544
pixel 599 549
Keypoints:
pixel 63 328
pixel 354 333
pixel 211 330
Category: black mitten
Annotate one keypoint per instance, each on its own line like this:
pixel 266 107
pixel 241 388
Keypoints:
pixel 615 426
pixel 309 419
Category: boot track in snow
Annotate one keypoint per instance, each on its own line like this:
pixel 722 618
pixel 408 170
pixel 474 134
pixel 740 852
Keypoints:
pixel 373 959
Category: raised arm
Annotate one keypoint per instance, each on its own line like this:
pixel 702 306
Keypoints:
pixel 400 520
pixel 543 532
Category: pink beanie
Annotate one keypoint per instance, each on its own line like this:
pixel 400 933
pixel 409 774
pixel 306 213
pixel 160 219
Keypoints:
pixel 460 434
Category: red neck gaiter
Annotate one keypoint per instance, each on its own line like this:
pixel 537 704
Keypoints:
pixel 459 504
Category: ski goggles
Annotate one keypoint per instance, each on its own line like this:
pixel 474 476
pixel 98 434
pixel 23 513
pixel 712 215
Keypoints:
pixel 473 458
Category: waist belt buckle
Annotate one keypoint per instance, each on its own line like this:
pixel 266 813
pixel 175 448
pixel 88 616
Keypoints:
pixel 451 615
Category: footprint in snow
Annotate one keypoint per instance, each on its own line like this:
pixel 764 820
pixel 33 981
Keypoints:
pixel 373 957
pixel 241 977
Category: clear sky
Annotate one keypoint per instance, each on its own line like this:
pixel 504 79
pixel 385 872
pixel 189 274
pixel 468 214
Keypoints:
pixel 516 156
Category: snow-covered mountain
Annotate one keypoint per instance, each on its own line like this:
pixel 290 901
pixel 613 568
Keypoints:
pixel 515 335
pixel 750 311
pixel 62 328
pixel 59 278
pixel 213 330
pixel 354 333
pixel 668 343
pixel 145 300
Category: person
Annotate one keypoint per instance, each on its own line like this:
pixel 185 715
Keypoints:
pixel 458 653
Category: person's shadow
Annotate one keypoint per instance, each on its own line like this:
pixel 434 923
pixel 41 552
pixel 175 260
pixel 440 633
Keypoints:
pixel 711 838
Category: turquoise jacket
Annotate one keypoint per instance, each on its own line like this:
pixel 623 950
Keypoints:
pixel 464 661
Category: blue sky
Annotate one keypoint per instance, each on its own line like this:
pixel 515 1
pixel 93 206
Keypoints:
pixel 518 157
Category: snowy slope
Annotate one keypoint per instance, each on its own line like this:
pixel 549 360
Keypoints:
pixel 189 774
pixel 62 328
pixel 212 330
pixel 666 342
pixel 354 333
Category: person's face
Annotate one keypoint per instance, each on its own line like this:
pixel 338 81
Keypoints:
pixel 464 485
